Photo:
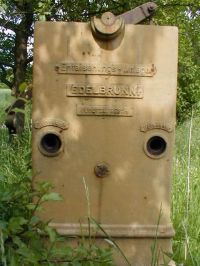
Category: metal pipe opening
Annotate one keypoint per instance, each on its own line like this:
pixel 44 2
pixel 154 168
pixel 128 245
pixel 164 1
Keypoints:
pixel 50 144
pixel 156 145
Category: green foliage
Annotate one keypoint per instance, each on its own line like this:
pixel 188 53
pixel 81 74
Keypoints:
pixel 5 100
pixel 22 231
pixel 186 193
pixel 185 15
pixel 15 154
pixel 20 228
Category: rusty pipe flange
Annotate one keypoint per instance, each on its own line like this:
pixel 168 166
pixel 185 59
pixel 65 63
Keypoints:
pixel 108 26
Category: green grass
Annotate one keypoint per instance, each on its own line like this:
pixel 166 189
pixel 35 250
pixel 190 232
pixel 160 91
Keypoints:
pixel 186 193
pixel 15 161
pixel 5 97
pixel 15 155
pixel 5 101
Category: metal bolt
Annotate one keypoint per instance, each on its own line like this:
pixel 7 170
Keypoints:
pixel 108 18
pixel 101 170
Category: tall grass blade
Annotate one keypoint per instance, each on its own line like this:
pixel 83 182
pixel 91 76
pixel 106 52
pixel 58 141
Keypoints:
pixel 111 240
pixel 188 180
pixel 3 257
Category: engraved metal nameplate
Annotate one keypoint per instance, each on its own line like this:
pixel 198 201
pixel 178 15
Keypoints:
pixel 106 69
pixel 110 90
pixel 102 110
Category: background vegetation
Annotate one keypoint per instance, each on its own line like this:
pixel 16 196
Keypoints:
pixel 186 192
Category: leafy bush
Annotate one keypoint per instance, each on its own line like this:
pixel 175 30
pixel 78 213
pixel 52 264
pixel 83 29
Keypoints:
pixel 26 240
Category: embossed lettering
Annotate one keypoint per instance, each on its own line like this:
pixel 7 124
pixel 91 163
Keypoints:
pixel 86 110
pixel 106 69
pixel 111 90
pixel 50 122
pixel 156 125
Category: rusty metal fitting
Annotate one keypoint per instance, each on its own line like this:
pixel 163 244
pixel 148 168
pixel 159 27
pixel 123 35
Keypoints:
pixel 138 14
pixel 108 26
pixel 102 170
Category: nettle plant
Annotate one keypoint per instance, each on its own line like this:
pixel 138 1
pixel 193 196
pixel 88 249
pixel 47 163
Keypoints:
pixel 27 240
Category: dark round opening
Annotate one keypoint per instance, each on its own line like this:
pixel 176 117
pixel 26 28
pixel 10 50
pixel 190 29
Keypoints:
pixel 156 145
pixel 51 143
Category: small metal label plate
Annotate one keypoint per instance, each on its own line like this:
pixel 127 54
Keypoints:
pixel 106 69
pixel 103 90
pixel 94 110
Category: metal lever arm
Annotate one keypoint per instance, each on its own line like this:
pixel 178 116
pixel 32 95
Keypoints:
pixel 139 13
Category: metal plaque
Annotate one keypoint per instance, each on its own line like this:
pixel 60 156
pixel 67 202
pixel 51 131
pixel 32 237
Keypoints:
pixel 106 69
pixel 106 90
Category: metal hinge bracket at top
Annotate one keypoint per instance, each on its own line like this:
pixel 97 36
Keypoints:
pixel 139 13
pixel 110 26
